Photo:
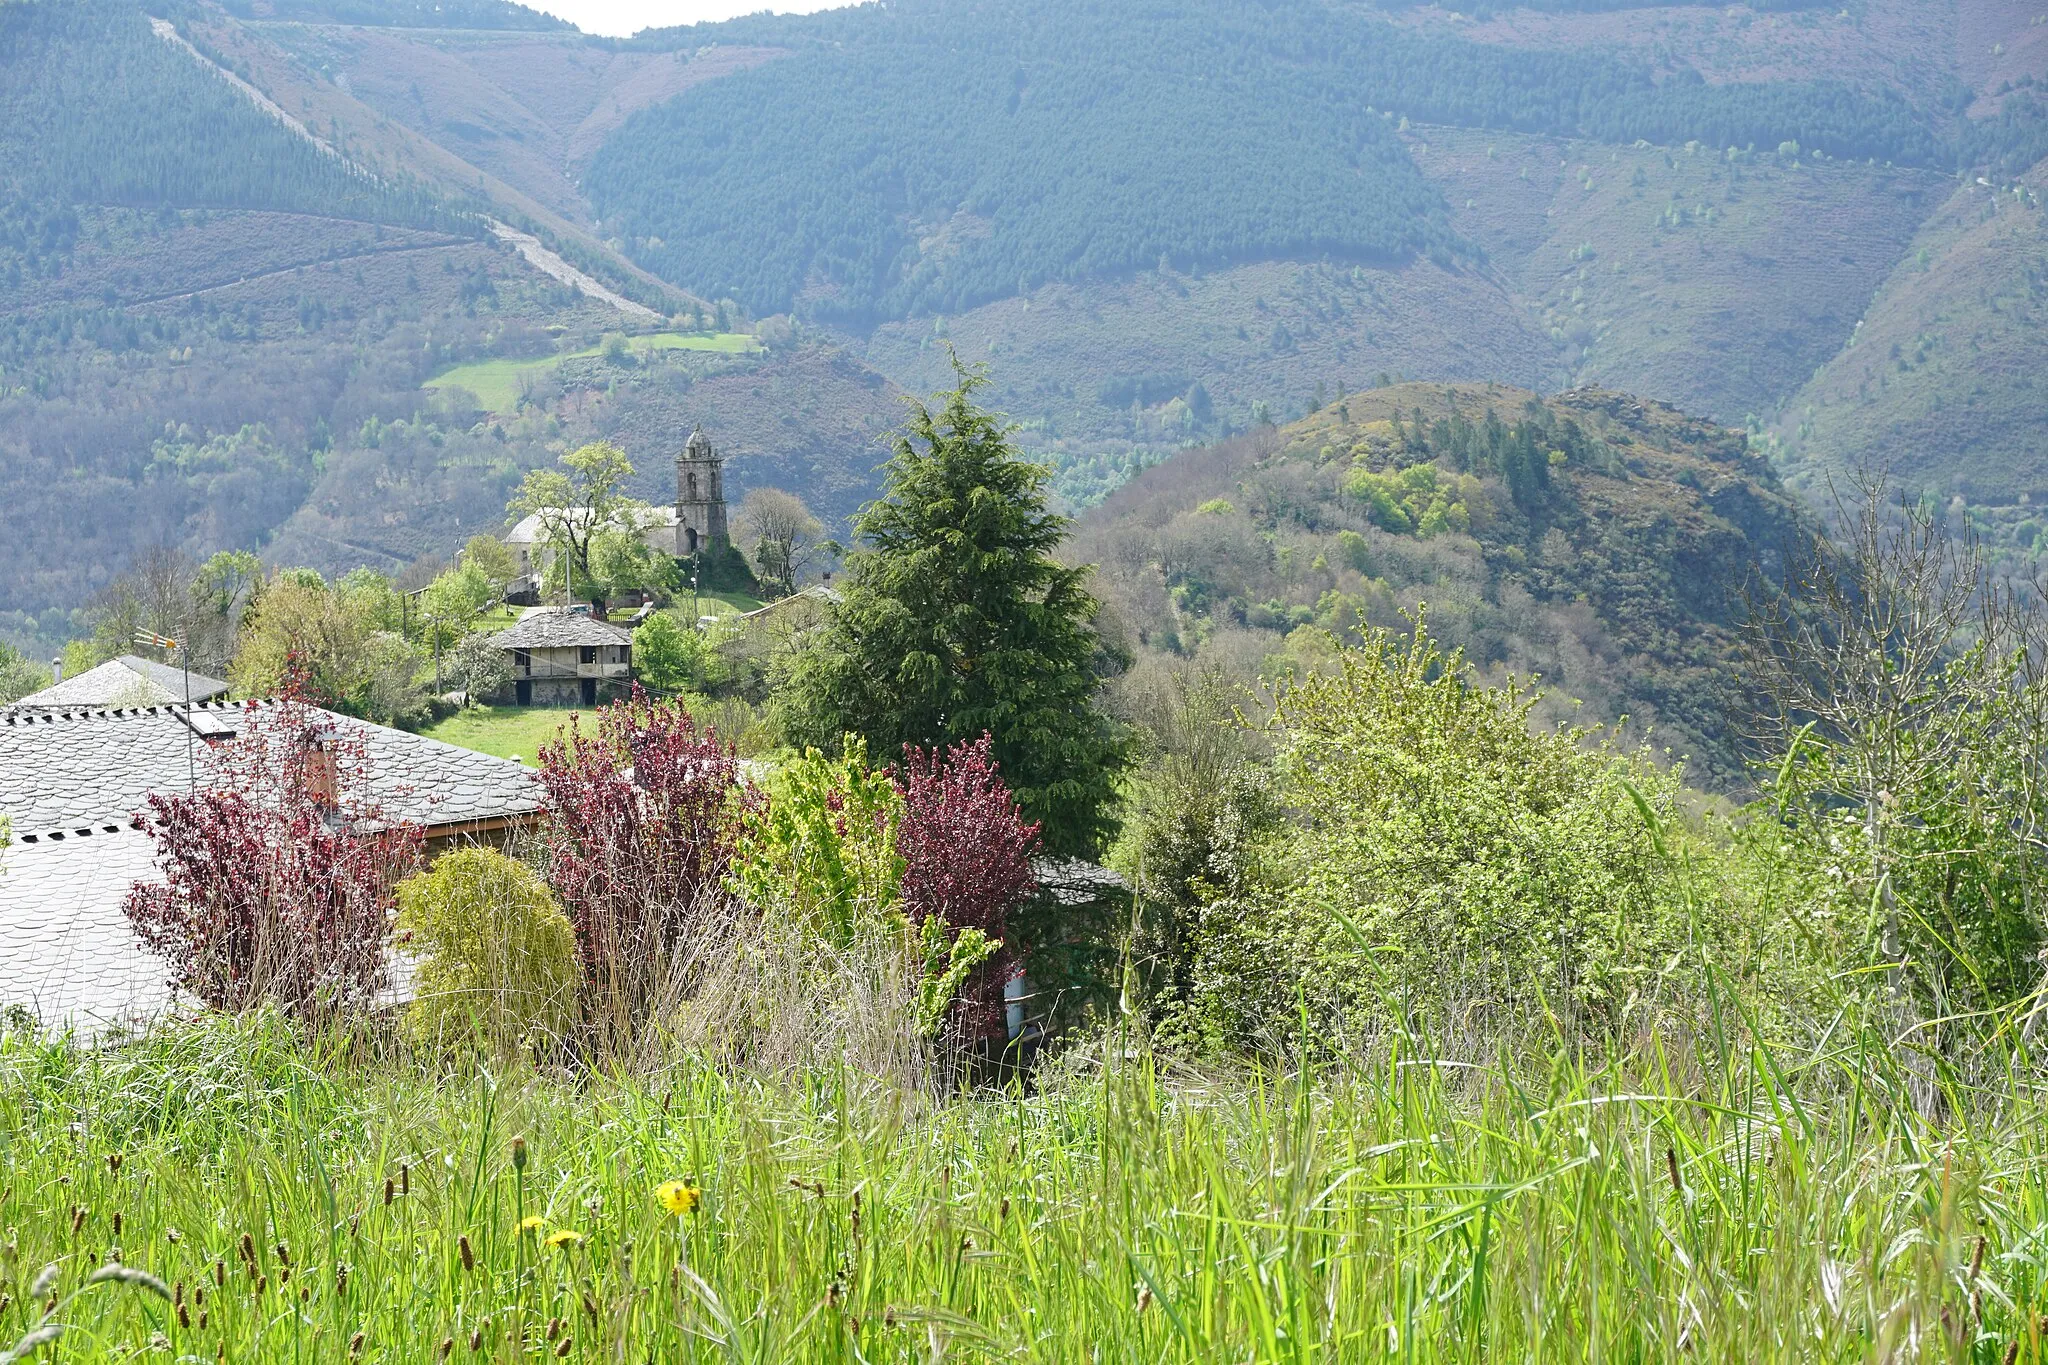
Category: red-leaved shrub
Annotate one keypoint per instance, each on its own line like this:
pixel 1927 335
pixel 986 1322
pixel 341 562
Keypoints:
pixel 637 835
pixel 278 872
pixel 966 860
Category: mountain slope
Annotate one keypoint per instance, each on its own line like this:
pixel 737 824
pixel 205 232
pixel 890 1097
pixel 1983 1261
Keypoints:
pixel 877 171
pixel 1946 384
pixel 229 350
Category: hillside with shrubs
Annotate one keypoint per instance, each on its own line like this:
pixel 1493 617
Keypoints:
pixel 1594 541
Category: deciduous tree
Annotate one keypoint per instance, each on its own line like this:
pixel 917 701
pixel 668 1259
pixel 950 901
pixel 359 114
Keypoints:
pixel 785 538
pixel 578 501
pixel 278 872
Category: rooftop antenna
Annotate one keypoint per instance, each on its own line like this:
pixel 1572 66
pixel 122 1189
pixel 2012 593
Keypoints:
pixel 144 637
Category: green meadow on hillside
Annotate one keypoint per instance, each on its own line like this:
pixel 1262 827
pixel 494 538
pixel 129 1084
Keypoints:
pixel 499 384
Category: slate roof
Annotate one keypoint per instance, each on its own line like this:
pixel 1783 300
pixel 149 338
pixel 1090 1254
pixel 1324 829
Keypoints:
pixel 70 783
pixel 72 769
pixel 67 953
pixel 561 630
pixel 126 681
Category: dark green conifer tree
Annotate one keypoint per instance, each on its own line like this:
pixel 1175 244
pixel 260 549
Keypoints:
pixel 955 619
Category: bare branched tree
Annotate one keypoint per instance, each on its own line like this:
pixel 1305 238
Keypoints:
pixel 786 539
pixel 1902 680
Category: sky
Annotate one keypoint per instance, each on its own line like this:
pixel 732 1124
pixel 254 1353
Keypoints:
pixel 621 18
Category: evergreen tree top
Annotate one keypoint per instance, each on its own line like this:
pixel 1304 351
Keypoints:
pixel 956 621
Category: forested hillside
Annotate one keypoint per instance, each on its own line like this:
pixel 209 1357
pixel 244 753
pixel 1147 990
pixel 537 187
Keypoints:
pixel 488 15
pixel 1077 161
pixel 95 108
pixel 1592 539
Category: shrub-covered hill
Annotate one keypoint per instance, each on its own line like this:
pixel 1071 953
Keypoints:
pixel 1945 381
pixel 1595 540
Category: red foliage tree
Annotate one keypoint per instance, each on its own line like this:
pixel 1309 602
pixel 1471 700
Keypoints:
pixel 278 871
pixel 638 833
pixel 966 860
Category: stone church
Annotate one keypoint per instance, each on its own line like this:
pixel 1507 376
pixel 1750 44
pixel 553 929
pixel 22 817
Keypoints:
pixel 695 530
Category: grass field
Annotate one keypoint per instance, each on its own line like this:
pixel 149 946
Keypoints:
pixel 504 731
pixel 498 384
pixel 302 1206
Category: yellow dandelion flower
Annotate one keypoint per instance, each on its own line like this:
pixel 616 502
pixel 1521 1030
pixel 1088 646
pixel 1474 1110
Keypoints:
pixel 532 1225
pixel 564 1237
pixel 678 1196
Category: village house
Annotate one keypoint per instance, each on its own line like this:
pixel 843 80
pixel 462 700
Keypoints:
pixel 71 786
pixel 563 656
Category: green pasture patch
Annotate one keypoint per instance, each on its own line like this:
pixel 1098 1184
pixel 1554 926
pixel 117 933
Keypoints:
pixel 501 731
pixel 499 384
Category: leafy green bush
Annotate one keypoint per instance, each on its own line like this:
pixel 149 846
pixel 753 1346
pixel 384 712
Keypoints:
pixel 480 669
pixel 1443 857
pixel 497 957
pixel 667 657
pixel 820 854
pixel 20 676
pixel 1420 498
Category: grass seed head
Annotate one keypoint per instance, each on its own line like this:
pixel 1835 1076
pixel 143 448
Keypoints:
pixel 128 1274
pixel 468 1256
pixel 447 1347
pixel 355 1344
pixel 519 1154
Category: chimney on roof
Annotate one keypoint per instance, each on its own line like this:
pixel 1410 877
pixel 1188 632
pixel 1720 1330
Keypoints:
pixel 322 773
pixel 57 668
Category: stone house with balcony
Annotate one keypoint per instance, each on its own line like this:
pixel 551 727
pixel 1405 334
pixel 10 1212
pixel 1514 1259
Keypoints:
pixel 566 657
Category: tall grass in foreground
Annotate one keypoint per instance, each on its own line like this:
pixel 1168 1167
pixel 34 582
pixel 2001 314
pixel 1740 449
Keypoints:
pixel 309 1207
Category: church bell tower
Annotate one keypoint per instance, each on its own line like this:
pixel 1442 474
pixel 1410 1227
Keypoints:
pixel 700 497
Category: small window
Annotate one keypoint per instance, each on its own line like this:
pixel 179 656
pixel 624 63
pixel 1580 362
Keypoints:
pixel 589 654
